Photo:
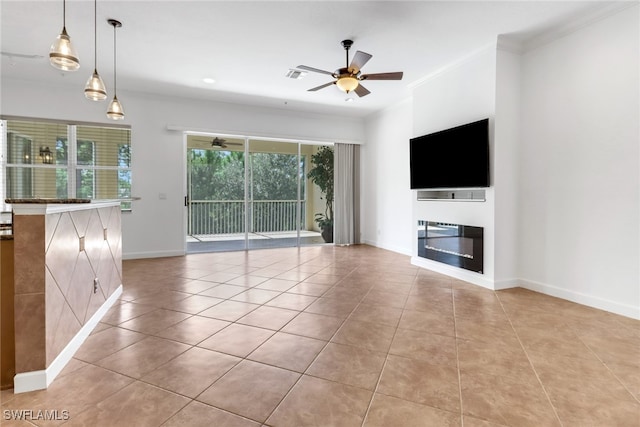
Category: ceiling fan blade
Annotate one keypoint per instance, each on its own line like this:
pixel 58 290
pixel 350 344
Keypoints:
pixel 358 61
pixel 314 70
pixel 361 91
pixel 313 89
pixel 382 76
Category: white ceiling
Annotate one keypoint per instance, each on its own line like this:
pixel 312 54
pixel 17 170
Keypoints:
pixel 168 47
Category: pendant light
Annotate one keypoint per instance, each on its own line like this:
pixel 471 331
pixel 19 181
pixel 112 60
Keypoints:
pixel 62 54
pixel 115 110
pixel 94 89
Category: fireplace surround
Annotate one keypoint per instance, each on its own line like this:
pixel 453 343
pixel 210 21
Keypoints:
pixel 453 244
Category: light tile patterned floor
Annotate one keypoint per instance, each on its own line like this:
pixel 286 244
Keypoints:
pixel 333 336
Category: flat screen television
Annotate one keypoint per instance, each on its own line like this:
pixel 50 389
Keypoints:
pixel 451 158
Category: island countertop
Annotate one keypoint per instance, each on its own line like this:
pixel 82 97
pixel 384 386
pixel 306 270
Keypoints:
pixel 41 206
pixel 45 201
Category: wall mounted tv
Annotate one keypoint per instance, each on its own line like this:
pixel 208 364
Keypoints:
pixel 451 158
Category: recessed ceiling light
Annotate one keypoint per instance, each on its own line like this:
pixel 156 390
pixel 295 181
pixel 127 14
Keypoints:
pixel 209 80
pixel 348 100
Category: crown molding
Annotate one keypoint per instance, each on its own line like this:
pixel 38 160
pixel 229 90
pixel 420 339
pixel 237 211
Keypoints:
pixel 452 65
pixel 508 43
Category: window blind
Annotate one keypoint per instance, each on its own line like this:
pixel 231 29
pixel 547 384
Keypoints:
pixel 58 160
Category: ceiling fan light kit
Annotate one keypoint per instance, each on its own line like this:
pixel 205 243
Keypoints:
pixel 348 79
pixel 94 89
pixel 347 83
pixel 62 54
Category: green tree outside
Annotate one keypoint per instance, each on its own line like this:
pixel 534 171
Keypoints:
pixel 219 175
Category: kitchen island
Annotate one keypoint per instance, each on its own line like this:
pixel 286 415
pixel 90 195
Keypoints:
pixel 67 273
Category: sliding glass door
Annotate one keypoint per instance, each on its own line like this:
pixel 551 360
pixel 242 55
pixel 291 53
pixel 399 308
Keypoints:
pixel 251 194
pixel 273 199
pixel 216 209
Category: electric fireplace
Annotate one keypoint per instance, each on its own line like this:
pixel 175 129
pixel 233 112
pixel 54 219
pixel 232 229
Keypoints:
pixel 454 244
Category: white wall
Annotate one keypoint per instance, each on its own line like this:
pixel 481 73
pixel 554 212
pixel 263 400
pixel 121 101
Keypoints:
pixel 461 94
pixel 156 227
pixel 386 209
pixel 506 167
pixel 580 179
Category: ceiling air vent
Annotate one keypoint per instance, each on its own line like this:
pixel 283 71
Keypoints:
pixel 295 74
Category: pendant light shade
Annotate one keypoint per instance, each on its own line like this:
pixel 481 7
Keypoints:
pixel 94 89
pixel 115 110
pixel 62 54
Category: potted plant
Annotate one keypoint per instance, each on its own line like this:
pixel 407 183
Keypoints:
pixel 321 174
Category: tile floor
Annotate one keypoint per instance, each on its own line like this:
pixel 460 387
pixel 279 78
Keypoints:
pixel 332 336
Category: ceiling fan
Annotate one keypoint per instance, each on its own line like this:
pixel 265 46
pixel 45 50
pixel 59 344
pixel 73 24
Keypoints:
pixel 222 143
pixel 215 142
pixel 348 78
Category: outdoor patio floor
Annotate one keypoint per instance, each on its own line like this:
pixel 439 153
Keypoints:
pixel 236 242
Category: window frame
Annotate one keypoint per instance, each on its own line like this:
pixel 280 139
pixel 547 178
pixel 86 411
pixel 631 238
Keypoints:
pixel 72 166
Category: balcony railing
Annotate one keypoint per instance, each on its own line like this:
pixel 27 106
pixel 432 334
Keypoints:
pixel 207 217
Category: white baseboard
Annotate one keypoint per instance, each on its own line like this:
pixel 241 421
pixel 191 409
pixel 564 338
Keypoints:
pixel 159 254
pixel 392 248
pixel 39 380
pixel 458 273
pixel 396 249
pixel 30 381
pixel 499 285
pixel 622 309
pixel 626 310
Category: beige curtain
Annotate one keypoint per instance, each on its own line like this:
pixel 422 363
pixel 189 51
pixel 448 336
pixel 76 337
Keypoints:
pixel 346 229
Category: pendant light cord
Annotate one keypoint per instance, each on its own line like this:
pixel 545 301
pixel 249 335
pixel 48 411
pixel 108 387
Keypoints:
pixel 115 76
pixel 64 13
pixel 95 35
